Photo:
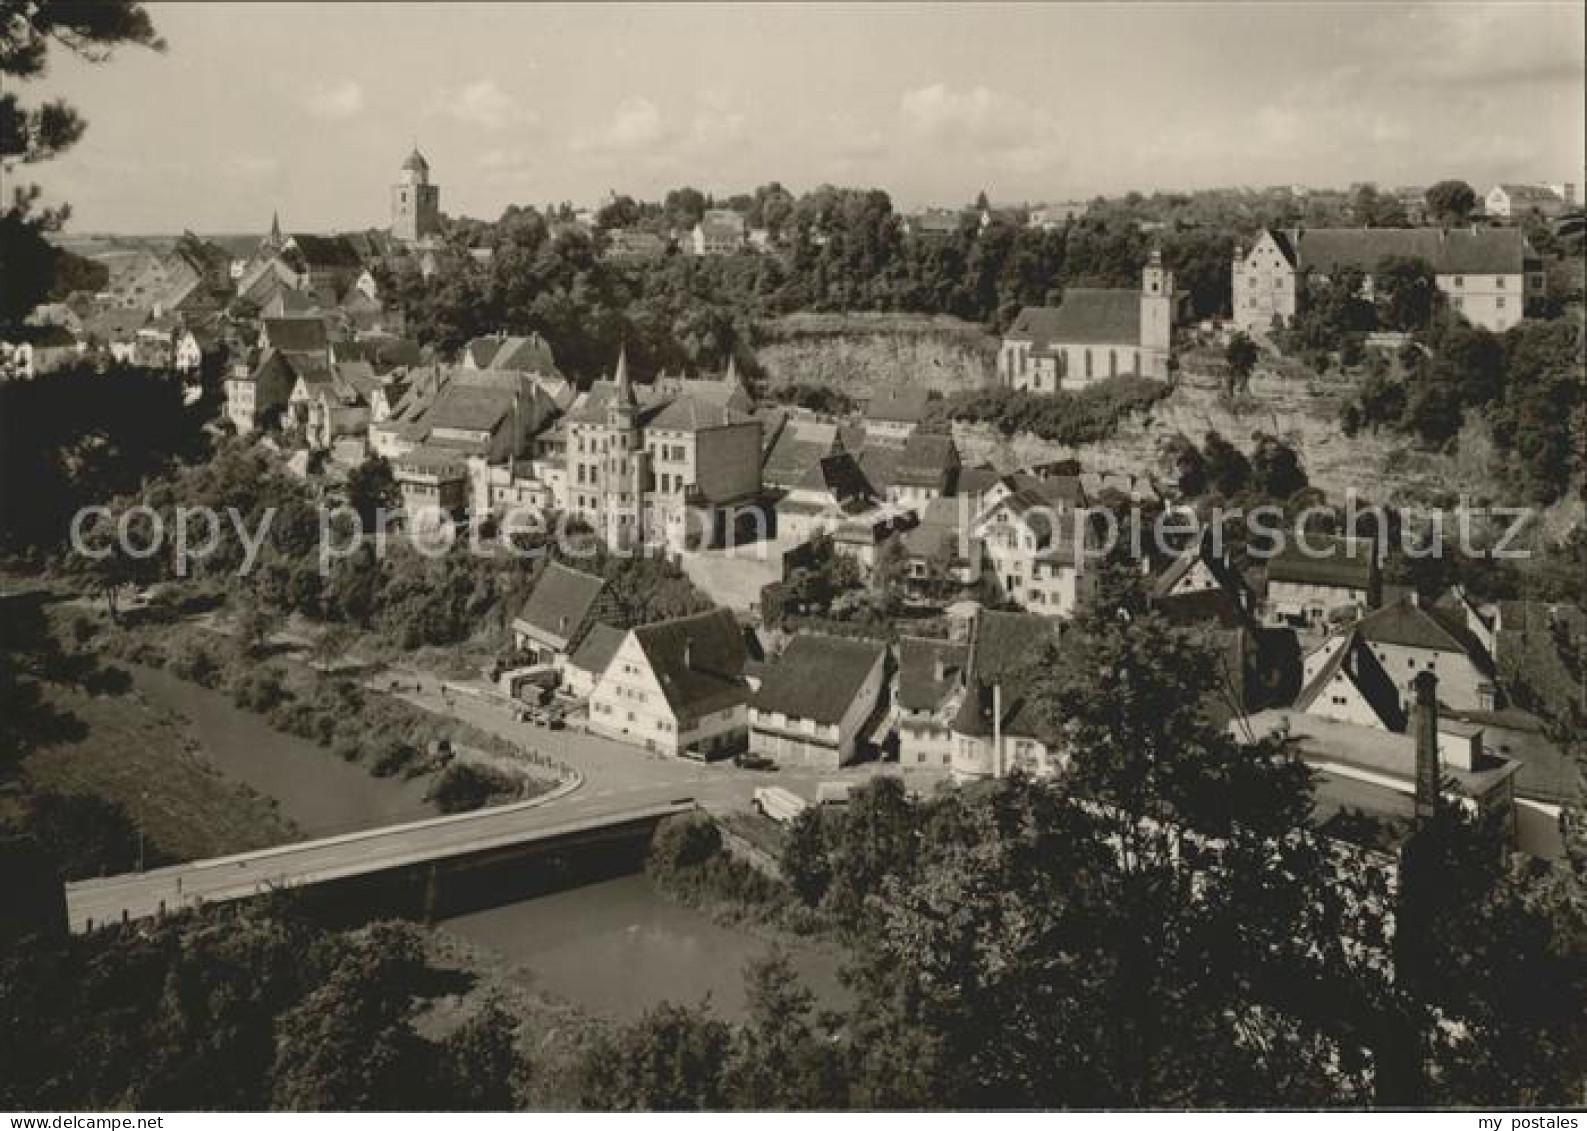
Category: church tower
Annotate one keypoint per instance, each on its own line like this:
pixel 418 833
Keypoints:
pixel 415 202
pixel 1157 316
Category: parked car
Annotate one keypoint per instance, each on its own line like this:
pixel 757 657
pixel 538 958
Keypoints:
pixel 748 761
pixel 779 804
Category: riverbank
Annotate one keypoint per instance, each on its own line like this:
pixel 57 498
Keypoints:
pixel 145 758
pixel 335 711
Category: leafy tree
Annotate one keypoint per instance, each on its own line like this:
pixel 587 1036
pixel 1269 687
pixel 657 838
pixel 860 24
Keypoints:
pixel 91 30
pixel 372 488
pixel 1406 291
pixel 1493 967
pixel 85 834
pixel 1276 469
pixel 804 857
pixel 673 1058
pixel 482 1067
pixel 1241 354
pixel 1228 471
pixel 782 1059
pixel 1451 202
pixel 350 1045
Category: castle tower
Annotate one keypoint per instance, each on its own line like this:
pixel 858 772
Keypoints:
pixel 1157 316
pixel 626 464
pixel 415 202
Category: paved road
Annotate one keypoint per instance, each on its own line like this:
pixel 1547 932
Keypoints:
pixel 616 772
pixel 251 873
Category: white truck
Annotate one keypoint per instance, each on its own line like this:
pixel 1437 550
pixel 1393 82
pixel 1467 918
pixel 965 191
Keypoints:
pixel 779 804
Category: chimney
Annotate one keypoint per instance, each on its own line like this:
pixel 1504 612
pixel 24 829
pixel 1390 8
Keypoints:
pixel 688 650
pixel 998 769
pixel 939 670
pixel 1425 728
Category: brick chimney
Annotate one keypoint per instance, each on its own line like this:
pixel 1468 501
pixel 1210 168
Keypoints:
pixel 1425 728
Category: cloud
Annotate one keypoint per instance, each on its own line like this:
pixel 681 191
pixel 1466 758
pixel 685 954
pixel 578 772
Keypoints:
pixel 717 123
pixel 636 124
pixel 339 100
pixel 983 124
pixel 481 103
pixel 1470 44
pixel 509 163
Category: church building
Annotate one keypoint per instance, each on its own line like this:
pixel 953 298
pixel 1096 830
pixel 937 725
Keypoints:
pixel 1095 334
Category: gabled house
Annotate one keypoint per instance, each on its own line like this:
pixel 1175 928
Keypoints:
pixel 256 395
pixel 943 557
pixel 1511 202
pixel 894 412
pixel 1409 637
pixel 995 728
pixel 832 490
pixel 924 470
pixel 930 683
pixel 815 700
pixel 677 686
pixel 1343 680
pixel 526 354
pixel 1323 579
pixel 334 404
pixel 563 607
pixel 719 232
pixel 586 664
pixel 1034 544
pixel 799 444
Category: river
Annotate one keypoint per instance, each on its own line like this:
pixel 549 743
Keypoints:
pixel 615 946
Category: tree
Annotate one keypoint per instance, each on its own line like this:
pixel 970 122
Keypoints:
pixel 1451 202
pixel 782 1061
pixel 90 30
pixel 372 489
pixel 1276 469
pixel 1241 355
pixel 350 1044
pixel 482 1067
pixel 673 1058
pixel 1406 292
pixel 1228 471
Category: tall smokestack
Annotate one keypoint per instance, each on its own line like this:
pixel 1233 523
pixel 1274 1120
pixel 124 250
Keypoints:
pixel 1426 731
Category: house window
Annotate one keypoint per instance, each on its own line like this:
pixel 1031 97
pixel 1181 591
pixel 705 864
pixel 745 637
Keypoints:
pixel 1460 280
pixel 1498 303
pixel 1498 282
pixel 1088 365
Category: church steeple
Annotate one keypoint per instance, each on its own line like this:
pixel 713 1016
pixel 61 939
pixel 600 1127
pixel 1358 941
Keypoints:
pixel 624 413
pixel 275 228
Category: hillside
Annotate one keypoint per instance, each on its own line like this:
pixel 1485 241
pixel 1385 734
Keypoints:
pixel 853 352
pixel 1381 467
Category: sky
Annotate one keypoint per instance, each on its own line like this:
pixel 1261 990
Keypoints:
pixel 309 109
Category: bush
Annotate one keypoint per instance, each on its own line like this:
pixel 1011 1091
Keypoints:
pixel 1084 417
pixel 681 843
pixel 463 787
pixel 394 756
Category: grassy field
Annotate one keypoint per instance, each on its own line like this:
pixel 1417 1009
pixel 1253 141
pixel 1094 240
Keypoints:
pixel 144 758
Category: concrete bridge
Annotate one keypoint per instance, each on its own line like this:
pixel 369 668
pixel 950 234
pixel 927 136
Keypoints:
pixel 430 868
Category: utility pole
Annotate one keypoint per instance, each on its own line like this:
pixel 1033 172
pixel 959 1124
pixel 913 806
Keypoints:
pixel 143 802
